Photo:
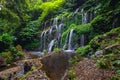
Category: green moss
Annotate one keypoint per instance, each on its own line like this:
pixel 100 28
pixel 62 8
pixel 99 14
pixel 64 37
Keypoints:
pixel 83 29
pixel 100 24
pixel 73 61
pixel 79 29
pixel 84 50
pixel 50 7
pixel 57 50
pixel 109 38
pixel 71 75
pixel 9 59
pixel 45 52
pixel 32 45
pixel 72 26
pixel 109 61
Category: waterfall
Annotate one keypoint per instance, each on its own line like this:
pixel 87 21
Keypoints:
pixel 1 7
pixel 84 17
pixel 70 40
pixel 82 40
pixel 68 47
pixel 42 40
pixel 76 16
pixel 87 16
pixel 68 43
pixel 52 35
pixel 50 46
pixel 55 22
pixel 57 31
pixel 45 39
pixel 60 33
pixel 50 32
pixel 76 11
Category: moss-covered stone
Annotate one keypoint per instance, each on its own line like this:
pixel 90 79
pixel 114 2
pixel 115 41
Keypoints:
pixel 108 39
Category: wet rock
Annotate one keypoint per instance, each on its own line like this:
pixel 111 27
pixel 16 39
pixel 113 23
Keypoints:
pixel 11 73
pixel 98 53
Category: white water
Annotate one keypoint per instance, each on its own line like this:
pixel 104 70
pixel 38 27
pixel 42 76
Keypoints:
pixel 50 46
pixel 52 34
pixel 45 39
pixel 84 17
pixel 55 22
pixel 70 40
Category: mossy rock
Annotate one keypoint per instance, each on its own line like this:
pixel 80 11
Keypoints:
pixel 106 40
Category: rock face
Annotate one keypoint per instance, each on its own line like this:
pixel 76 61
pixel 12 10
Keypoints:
pixel 52 66
pixel 22 67
pixel 55 65
pixel 11 73
pixel 37 75
pixel 87 70
pixel 99 53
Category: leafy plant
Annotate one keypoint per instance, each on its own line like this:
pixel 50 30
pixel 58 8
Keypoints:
pixel 84 50
pixel 19 48
pixel 45 52
pixel 6 40
pixel 75 60
pixel 9 59
pixel 71 75
pixel 19 54
pixel 56 50
pixel 118 71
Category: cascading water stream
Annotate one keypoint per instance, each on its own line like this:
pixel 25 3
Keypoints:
pixel 70 40
pixel 55 22
pixel 42 40
pixel 84 17
pixel 50 46
pixel 57 31
pixel 45 39
pixel 60 33
pixel 76 16
pixel 68 44
pixel 84 21
pixel 52 34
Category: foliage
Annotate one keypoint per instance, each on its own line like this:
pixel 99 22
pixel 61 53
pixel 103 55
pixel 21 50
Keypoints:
pixel 28 36
pixel 9 59
pixel 115 78
pixel 79 29
pixel 29 31
pixel 11 55
pixel 49 8
pixel 109 61
pixel 84 50
pixel 56 50
pixel 103 64
pixel 83 29
pixel 73 61
pixel 100 24
pixel 6 40
pixel 103 41
pixel 118 71
pixel 33 44
pixel 19 47
pixel 67 31
pixel 19 54
pixel 71 75
pixel 45 52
